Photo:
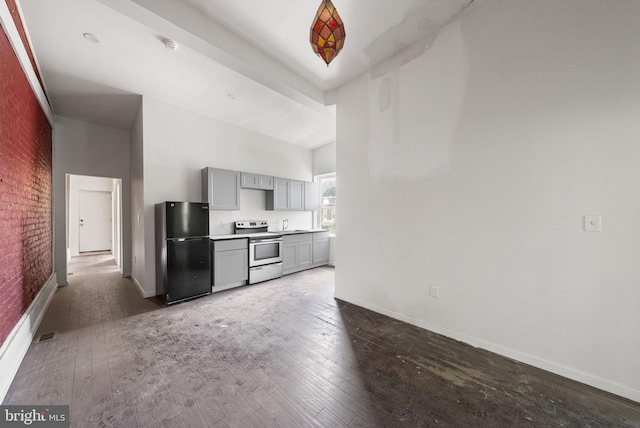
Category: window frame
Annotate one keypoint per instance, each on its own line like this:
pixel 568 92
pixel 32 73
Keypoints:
pixel 318 217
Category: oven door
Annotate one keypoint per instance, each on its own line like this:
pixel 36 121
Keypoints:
pixel 265 251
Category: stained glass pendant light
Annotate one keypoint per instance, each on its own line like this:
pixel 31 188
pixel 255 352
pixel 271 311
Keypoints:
pixel 327 32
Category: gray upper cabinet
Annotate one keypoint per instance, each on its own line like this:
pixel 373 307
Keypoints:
pixel 278 198
pixel 256 181
pixel 249 181
pixel 265 182
pixel 311 196
pixel 287 195
pixel 221 189
pixel 296 198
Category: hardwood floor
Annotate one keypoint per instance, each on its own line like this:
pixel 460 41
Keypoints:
pixel 283 353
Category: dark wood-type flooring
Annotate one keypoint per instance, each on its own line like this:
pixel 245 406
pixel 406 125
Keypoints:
pixel 283 353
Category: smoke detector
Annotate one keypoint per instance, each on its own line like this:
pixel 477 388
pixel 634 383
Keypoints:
pixel 170 44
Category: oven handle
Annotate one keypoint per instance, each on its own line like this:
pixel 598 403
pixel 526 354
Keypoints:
pixel 269 266
pixel 259 241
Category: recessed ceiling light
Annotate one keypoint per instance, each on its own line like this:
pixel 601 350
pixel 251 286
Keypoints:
pixel 170 44
pixel 92 38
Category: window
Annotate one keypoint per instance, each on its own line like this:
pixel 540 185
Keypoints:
pixel 327 214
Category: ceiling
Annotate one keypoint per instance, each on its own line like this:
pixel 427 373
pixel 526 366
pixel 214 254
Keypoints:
pixel 248 63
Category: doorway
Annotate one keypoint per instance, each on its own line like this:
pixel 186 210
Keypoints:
pixel 94 216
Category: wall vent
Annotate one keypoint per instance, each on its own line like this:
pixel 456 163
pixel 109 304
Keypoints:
pixel 46 336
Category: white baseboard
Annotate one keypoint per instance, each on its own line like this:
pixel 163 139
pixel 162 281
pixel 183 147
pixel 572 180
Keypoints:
pixel 140 289
pixel 532 360
pixel 17 344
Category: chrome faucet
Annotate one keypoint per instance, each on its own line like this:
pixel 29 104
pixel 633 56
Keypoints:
pixel 285 224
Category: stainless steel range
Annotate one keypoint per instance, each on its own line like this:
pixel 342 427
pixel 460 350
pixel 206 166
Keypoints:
pixel 265 250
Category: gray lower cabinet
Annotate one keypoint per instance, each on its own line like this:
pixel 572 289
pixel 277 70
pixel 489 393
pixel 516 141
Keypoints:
pixel 230 263
pixel 289 256
pixel 304 251
pixel 297 252
pixel 221 189
pixel 320 248
pixel 305 254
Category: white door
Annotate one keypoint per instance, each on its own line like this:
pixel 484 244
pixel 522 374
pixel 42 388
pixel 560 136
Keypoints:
pixel 95 221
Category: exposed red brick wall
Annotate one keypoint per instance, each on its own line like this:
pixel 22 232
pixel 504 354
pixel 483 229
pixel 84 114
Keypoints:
pixel 25 192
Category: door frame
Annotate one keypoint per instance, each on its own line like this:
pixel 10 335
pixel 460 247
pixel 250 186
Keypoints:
pixel 75 183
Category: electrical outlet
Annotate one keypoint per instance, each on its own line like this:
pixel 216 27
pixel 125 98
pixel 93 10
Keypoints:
pixel 434 291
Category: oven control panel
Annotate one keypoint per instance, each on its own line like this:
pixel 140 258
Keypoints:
pixel 251 224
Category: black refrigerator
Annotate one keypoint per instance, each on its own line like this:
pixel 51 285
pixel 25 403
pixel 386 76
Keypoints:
pixel 183 263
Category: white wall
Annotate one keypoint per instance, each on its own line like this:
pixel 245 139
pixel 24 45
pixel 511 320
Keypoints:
pixel 77 184
pixel 82 148
pixel 324 159
pixel 179 143
pixel 470 167
pixel 137 202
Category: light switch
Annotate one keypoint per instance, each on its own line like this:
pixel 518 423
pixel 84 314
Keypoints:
pixel 592 223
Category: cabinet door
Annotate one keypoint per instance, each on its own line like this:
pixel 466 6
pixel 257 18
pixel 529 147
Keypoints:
pixel 305 254
pixel 249 181
pixel 311 196
pixel 280 194
pixel 230 267
pixel 289 257
pixel 221 189
pixel 321 251
pixel 265 182
pixel 296 198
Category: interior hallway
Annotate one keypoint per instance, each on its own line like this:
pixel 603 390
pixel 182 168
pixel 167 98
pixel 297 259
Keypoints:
pixel 278 354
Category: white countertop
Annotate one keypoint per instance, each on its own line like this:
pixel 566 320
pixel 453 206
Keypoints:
pixel 264 234
pixel 293 232
pixel 245 235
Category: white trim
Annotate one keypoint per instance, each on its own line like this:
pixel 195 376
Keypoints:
pixel 17 344
pixel 6 19
pixel 140 289
pixel 33 53
pixel 550 366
